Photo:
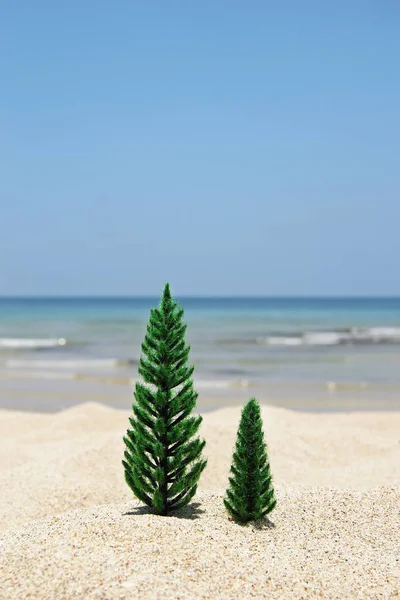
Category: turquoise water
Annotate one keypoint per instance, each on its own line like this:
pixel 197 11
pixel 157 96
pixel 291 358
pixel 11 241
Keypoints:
pixel 239 347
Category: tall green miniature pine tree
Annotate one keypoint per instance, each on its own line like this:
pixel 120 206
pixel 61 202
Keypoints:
pixel 163 460
pixel 250 496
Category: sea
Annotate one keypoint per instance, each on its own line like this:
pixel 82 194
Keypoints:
pixel 300 353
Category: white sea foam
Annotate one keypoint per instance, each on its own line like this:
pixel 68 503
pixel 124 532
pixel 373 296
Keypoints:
pixel 222 384
pixel 329 338
pixel 94 363
pixel 280 341
pixel 36 375
pixel 211 384
pixel 31 343
pixel 372 335
pixel 377 334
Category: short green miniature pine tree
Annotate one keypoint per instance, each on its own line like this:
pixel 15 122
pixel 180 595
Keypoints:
pixel 163 460
pixel 250 496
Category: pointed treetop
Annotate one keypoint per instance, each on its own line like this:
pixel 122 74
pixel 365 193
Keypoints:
pixel 166 293
pixel 252 409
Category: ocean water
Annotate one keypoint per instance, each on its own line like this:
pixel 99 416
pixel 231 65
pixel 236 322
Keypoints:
pixel 305 353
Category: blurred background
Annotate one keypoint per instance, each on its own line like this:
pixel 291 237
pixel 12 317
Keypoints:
pixel 246 153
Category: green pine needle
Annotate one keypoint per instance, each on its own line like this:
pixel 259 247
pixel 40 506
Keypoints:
pixel 162 460
pixel 250 496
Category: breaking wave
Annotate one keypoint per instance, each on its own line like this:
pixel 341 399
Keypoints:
pixel 373 335
pixel 70 365
pixel 31 343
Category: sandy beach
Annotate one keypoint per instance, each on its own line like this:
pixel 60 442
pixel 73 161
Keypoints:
pixel 70 527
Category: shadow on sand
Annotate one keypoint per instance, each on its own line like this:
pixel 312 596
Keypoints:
pixel 264 524
pixel 191 511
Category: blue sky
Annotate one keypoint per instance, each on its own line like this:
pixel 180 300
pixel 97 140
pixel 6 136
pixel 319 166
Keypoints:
pixel 228 147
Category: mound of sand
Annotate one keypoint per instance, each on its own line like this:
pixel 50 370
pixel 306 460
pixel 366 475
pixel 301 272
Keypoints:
pixel 52 463
pixel 65 533
pixel 325 544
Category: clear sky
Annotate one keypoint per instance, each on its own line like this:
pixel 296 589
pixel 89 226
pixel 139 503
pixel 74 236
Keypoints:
pixel 228 147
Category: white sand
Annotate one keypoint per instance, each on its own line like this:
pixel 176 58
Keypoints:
pixel 326 543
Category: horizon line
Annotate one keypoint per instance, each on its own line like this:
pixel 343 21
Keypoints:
pixel 197 297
